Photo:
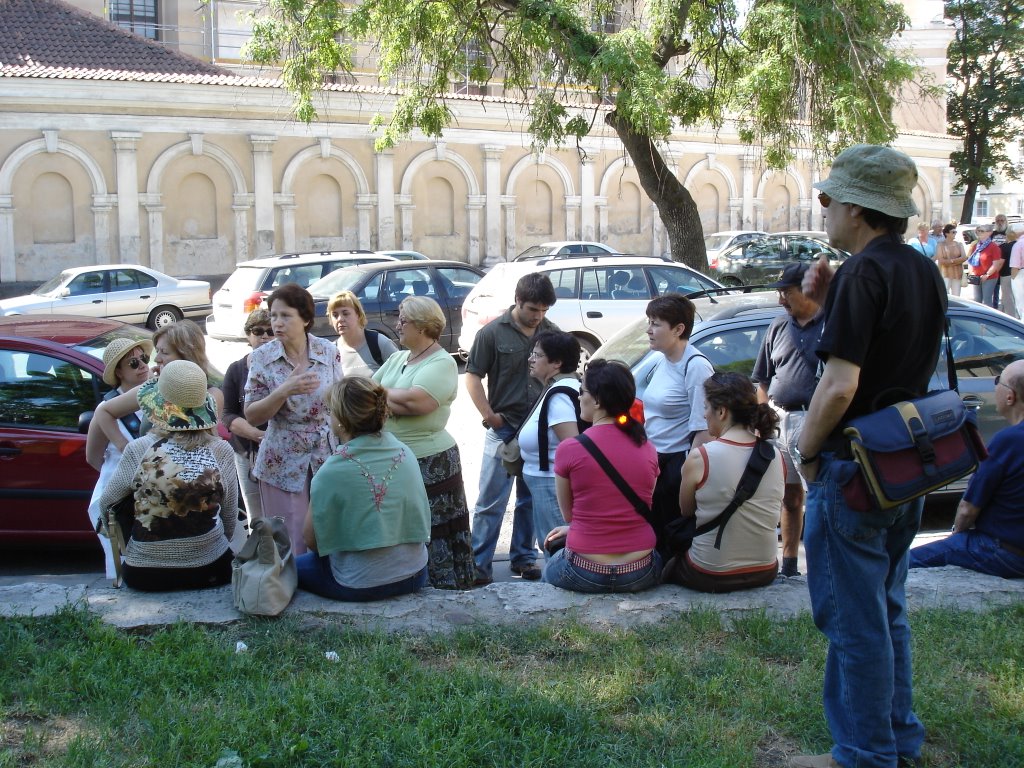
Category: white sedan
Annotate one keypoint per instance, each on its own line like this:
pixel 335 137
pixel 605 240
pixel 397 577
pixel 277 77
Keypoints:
pixel 125 292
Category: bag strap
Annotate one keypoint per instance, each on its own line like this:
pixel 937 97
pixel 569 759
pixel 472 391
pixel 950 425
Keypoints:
pixel 131 422
pixel 542 427
pixel 613 474
pixel 760 459
pixel 373 342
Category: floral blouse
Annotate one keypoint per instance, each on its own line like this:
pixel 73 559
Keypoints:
pixel 298 436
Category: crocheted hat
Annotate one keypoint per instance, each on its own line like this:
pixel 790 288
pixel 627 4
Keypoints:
pixel 874 177
pixel 115 353
pixel 177 401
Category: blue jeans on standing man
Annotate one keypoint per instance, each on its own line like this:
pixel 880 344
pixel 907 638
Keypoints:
pixel 491 503
pixel 546 514
pixel 856 574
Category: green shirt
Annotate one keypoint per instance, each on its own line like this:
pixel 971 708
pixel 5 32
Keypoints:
pixel 438 376
pixel 369 494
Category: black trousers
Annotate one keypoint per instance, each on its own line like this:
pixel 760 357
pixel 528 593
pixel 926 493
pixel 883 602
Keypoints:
pixel 665 502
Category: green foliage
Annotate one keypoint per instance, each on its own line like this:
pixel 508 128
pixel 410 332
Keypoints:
pixel 985 67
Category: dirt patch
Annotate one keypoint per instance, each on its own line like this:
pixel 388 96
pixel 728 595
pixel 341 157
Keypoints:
pixel 774 751
pixel 28 738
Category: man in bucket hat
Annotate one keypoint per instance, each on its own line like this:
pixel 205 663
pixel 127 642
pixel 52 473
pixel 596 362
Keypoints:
pixel 882 322
pixel 785 374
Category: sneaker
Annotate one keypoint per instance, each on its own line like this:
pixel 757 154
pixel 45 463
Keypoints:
pixel 529 572
pixel 814 761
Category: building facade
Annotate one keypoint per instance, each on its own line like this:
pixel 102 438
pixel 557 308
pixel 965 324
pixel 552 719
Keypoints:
pixel 190 166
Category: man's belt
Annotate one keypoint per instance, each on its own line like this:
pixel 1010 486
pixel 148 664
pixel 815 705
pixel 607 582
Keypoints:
pixel 789 408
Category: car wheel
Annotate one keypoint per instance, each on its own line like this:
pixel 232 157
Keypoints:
pixel 162 316
pixel 587 349
pixel 731 281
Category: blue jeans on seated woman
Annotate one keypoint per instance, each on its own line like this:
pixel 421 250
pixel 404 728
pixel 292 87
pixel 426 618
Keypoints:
pixel 564 570
pixel 315 576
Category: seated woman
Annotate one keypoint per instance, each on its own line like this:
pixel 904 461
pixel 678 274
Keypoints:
pixel 749 544
pixel 369 521
pixel 609 546
pixel 180 478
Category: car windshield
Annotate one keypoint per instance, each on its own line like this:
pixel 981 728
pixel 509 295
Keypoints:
pixel 716 242
pixel 50 285
pixel 339 280
pixel 243 278
pixel 533 252
pixel 97 344
pixel 629 345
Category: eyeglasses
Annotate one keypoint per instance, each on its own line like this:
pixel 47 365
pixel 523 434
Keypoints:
pixel 403 321
pixel 584 391
pixel 824 199
pixel 137 362
pixel 537 355
pixel 997 382
pixel 261 331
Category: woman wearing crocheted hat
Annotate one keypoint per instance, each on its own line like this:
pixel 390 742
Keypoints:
pixel 174 489
pixel 125 365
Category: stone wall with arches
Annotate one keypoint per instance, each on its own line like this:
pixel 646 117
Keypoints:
pixel 197 195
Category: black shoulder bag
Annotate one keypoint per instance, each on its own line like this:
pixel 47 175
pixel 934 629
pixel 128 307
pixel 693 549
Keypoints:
pixel 681 532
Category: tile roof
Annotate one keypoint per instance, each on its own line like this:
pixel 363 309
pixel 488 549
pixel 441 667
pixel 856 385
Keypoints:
pixel 56 36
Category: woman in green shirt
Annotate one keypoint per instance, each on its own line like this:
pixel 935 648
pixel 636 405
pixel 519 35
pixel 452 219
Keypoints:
pixel 422 382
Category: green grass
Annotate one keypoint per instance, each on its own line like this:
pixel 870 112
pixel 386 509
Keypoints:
pixel 75 692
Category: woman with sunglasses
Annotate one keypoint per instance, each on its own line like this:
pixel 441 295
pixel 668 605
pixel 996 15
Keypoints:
pixel 245 438
pixel 125 366
pixel 609 546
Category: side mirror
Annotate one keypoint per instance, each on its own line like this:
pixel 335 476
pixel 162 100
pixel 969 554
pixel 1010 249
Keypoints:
pixel 64 293
pixel 84 420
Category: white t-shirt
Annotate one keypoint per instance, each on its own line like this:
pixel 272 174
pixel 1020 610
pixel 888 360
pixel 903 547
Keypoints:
pixel 560 411
pixel 360 362
pixel 674 400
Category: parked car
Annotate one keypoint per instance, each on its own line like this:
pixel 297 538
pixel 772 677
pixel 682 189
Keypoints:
pixel 595 295
pixel 715 243
pixel 50 375
pixel 565 248
pixel 406 255
pixel 252 281
pixel 125 292
pixel 760 261
pixel 730 331
pixel 381 287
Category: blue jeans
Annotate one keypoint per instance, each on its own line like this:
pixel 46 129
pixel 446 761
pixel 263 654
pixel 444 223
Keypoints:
pixel 315 576
pixel 546 514
pixel 491 504
pixel 969 549
pixel 559 572
pixel 856 573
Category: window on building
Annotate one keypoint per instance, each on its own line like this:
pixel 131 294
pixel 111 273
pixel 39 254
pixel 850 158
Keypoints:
pixel 139 16
pixel 475 63
pixel 981 208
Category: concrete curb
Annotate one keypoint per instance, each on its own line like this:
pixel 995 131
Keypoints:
pixel 509 603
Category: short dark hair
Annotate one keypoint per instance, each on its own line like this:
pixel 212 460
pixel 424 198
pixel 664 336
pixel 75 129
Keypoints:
pixel 611 384
pixel 673 308
pixel 296 297
pixel 890 224
pixel 560 346
pixel 535 288
pixel 947 229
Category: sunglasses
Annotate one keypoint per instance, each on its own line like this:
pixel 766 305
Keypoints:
pixel 137 362
pixel 261 331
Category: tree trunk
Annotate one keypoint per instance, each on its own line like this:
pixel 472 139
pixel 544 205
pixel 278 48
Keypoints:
pixel 970 193
pixel 676 207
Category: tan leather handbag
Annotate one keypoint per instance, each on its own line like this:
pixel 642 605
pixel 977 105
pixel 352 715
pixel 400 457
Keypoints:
pixel 263 574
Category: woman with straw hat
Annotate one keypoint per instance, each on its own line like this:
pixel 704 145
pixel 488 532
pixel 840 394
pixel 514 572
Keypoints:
pixel 125 365
pixel 179 478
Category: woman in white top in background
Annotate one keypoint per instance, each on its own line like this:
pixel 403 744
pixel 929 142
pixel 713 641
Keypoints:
pixel 125 366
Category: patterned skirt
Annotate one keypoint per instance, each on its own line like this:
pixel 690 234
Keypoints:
pixel 450 564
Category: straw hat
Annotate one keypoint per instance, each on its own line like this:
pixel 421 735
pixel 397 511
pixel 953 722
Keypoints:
pixel 874 177
pixel 115 353
pixel 178 401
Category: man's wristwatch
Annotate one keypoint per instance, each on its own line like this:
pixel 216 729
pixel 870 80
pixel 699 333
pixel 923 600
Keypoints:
pixel 801 459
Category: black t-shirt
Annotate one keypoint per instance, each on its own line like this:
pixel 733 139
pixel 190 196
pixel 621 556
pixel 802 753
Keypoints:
pixel 999 238
pixel 885 312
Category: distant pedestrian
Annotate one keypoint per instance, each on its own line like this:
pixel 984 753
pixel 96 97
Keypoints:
pixel 923 243
pixel 1007 301
pixel 950 256
pixel 985 261
pixel 1017 267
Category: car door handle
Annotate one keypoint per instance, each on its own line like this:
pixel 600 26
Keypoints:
pixel 97 301
pixel 595 314
pixel 145 296
pixel 9 451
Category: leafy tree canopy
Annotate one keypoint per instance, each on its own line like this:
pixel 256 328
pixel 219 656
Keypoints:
pixel 985 65
pixel 817 74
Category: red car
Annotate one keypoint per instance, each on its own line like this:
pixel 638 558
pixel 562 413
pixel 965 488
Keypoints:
pixel 50 375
